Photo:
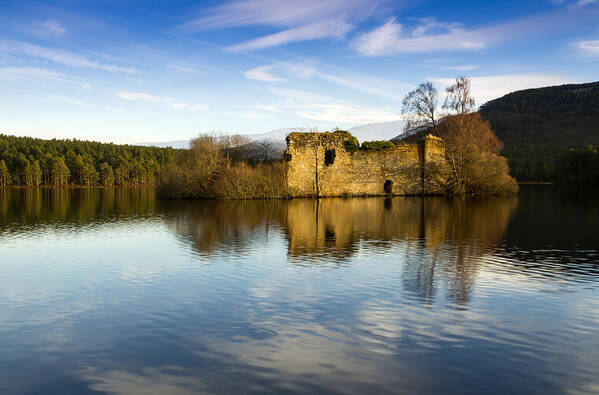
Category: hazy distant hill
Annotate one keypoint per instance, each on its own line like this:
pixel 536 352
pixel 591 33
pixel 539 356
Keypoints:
pixel 369 131
pixel 165 144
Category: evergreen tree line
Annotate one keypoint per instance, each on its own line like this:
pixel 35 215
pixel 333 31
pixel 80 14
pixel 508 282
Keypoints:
pixel 573 165
pixel 34 162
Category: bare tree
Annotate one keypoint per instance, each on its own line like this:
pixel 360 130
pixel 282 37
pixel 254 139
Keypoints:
pixel 420 107
pixel 459 96
pixel 266 147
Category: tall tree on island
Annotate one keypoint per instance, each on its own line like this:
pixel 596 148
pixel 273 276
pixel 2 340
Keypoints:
pixel 420 108
pixel 459 97
pixel 471 147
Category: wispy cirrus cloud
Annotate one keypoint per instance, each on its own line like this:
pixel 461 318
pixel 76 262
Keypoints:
pixel 171 102
pixel 268 107
pixel 59 56
pixel 588 47
pixel 319 107
pixel 187 70
pixel 365 83
pixel 68 100
pixel 38 76
pixel 301 20
pixel 262 73
pixel 330 28
pixel 276 13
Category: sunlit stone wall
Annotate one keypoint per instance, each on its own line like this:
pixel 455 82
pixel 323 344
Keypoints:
pixel 320 165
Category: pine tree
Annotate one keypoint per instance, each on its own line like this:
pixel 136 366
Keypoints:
pixel 36 174
pixel 5 178
pixel 28 175
pixel 60 172
pixel 106 174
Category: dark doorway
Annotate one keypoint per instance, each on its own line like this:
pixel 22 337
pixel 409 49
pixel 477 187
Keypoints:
pixel 388 187
pixel 329 157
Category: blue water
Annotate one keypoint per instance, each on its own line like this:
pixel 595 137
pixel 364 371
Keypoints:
pixel 115 291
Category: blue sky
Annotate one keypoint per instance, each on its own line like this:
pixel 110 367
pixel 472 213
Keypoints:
pixel 132 71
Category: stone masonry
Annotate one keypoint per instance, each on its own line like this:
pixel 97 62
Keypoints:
pixel 319 164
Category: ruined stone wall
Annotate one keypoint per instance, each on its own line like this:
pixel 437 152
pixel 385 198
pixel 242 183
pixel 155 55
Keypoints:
pixel 320 165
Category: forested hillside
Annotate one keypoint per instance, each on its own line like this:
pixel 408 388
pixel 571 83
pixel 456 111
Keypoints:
pixel 34 162
pixel 549 134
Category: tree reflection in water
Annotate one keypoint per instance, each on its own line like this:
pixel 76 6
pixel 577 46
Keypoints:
pixel 437 239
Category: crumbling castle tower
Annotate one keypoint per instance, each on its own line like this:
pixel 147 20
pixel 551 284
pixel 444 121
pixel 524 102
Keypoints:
pixel 320 164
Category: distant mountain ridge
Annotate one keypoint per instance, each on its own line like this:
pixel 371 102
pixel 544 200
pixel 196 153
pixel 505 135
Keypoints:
pixel 366 132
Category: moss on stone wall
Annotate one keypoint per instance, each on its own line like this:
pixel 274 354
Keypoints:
pixel 376 145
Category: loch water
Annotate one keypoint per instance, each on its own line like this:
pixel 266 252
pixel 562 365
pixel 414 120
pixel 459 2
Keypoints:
pixel 115 291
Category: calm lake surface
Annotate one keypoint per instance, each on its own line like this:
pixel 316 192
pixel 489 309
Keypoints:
pixel 115 291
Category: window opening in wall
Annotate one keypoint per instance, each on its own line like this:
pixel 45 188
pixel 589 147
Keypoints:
pixel 329 157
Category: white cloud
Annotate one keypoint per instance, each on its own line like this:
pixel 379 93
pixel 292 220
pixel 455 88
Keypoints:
pixel 590 47
pixel 491 87
pixel 333 28
pixel 38 76
pixel 182 69
pixel 277 12
pixel 268 107
pixel 59 56
pixel 392 39
pixel 262 73
pixel 173 103
pixel 303 20
pixel 140 96
pixel 324 108
pixel 67 100
pixel 364 83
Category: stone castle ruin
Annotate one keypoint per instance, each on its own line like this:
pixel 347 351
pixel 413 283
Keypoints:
pixel 324 165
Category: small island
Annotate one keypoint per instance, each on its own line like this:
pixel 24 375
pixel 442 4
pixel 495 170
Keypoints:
pixel 456 153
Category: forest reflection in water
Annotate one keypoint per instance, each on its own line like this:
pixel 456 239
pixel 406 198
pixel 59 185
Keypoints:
pixel 116 291
pixel 38 206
